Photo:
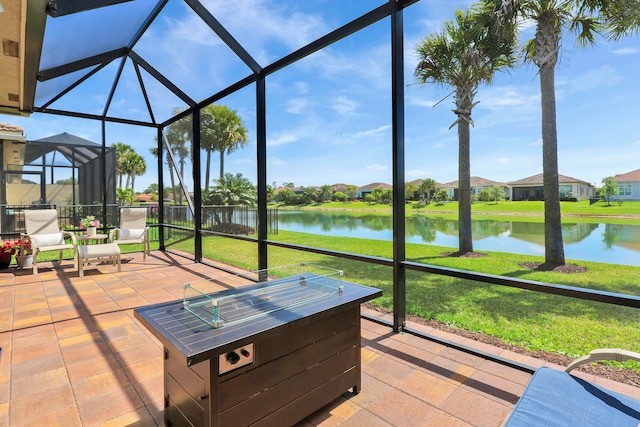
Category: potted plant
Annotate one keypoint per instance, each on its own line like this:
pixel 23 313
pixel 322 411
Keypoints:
pixel 24 256
pixel 6 251
pixel 89 223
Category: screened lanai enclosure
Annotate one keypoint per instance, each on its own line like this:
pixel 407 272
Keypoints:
pixel 60 169
pixel 152 71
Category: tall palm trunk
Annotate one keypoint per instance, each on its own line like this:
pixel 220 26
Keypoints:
pixel 464 104
pixel 206 177
pixel 547 43
pixel 181 193
pixel 221 163
pixel 173 183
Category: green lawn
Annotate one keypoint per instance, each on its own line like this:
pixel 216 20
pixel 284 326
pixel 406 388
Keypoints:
pixel 502 208
pixel 534 320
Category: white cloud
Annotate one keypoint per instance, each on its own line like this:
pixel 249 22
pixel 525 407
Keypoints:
pixel 302 87
pixel 376 167
pixel 243 161
pixel 345 106
pixel 421 102
pixel 636 143
pixel 281 139
pixel 604 76
pixel 439 145
pixel 508 98
pixel 504 160
pixel 190 30
pixel 296 105
pixel 625 51
pixel 372 132
pixel 275 161
pixel 415 173
pixel 366 64
pixel 270 23
pixel 537 143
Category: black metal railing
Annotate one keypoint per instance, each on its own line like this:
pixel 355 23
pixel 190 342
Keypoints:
pixel 240 220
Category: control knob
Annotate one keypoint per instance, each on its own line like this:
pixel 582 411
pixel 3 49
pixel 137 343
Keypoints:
pixel 232 357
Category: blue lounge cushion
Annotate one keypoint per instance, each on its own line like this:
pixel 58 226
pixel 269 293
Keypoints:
pixel 556 398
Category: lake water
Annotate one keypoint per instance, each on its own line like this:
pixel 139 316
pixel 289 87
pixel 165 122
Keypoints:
pixel 609 243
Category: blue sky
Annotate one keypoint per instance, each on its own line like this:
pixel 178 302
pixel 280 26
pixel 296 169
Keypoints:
pixel 329 115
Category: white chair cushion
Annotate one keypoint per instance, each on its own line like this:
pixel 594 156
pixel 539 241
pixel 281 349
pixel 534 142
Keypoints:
pixel 53 239
pixel 97 251
pixel 128 234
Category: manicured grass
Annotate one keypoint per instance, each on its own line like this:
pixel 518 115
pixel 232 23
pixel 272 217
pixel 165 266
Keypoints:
pixel 534 320
pixel 535 209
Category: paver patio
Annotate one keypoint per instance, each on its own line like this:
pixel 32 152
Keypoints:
pixel 73 355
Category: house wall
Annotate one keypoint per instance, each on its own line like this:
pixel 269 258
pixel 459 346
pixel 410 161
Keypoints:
pixel 531 192
pixel 580 191
pixel 26 194
pixel 635 190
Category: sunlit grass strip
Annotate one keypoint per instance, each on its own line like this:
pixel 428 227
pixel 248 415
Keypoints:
pixel 503 207
pixel 530 319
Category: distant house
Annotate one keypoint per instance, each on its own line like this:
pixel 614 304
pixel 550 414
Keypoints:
pixel 477 185
pixel 368 189
pixel 531 188
pixel 144 197
pixel 628 185
pixel 339 187
pixel 418 183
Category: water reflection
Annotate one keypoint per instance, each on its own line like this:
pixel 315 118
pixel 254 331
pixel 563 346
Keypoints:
pixel 611 243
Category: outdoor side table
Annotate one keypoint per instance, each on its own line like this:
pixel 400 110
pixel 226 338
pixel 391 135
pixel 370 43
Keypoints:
pixel 83 239
pixel 107 252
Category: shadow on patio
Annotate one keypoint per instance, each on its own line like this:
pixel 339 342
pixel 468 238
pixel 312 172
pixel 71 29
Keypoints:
pixel 73 355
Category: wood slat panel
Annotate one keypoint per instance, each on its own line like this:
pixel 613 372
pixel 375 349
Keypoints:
pixel 249 411
pixel 302 407
pixel 301 335
pixel 180 399
pixel 269 375
pixel 192 383
pixel 173 417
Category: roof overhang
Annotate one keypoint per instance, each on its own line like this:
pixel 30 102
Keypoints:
pixel 22 23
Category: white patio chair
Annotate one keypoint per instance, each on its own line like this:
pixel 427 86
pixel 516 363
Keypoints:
pixel 132 230
pixel 44 235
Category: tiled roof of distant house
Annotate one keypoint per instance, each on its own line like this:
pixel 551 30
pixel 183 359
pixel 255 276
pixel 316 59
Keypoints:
pixel 418 181
pixel 476 181
pixel 537 180
pixel 376 185
pixel 339 187
pixel 144 197
pixel 629 176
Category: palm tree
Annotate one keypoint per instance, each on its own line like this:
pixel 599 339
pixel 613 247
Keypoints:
pixel 222 130
pixel 210 132
pixel 622 17
pixel 426 188
pixel 154 152
pixel 585 18
pixel 463 55
pixel 180 138
pixel 231 190
pixel 133 164
pixel 138 168
pixel 121 151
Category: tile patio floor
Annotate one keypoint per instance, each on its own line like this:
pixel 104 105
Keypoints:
pixel 73 355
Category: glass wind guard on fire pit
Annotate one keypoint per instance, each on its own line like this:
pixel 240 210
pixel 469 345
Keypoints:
pixel 286 287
